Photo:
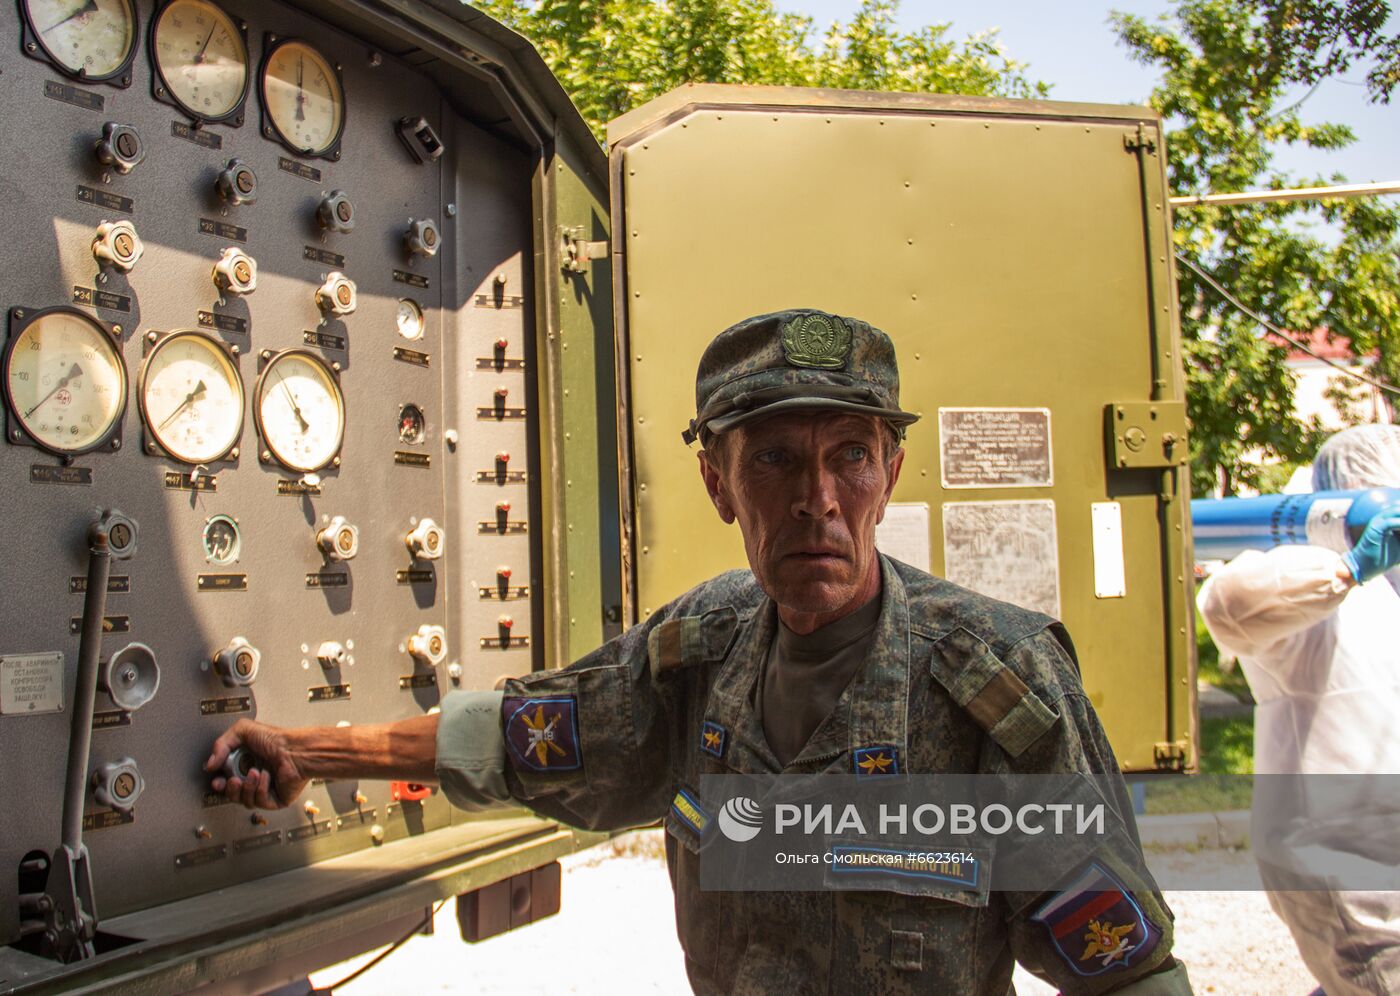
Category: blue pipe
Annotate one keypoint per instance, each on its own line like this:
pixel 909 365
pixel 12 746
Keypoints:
pixel 1225 527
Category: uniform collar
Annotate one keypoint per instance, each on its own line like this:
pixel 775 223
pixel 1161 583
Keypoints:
pixel 872 711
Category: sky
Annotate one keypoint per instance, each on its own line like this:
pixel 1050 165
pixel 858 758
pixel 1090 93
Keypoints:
pixel 1070 45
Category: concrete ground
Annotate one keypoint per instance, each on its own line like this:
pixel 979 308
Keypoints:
pixel 615 934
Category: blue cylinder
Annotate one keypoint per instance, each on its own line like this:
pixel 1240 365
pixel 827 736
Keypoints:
pixel 1225 527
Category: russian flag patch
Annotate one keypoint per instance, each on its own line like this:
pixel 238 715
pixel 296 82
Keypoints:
pixel 1096 924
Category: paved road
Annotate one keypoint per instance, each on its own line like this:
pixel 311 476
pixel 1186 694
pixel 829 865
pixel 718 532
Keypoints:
pixel 615 934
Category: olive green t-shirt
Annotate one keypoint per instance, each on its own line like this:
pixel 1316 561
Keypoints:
pixel 805 675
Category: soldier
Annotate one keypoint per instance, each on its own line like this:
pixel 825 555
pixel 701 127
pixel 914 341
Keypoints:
pixel 825 656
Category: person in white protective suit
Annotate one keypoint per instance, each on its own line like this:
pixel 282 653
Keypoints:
pixel 1318 635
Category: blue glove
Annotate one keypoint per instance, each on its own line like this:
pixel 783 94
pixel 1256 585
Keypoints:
pixel 1378 549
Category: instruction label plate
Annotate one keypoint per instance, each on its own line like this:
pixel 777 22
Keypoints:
pixel 995 447
pixel 1005 549
pixel 31 684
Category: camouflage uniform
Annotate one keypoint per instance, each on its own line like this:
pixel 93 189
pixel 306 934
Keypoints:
pixel 955 682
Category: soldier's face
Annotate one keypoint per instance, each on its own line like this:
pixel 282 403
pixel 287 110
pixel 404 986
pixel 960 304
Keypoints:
pixel 807 489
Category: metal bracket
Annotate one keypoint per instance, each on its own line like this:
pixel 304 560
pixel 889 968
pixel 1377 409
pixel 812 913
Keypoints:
pixel 1145 434
pixel 1140 141
pixel 1170 756
pixel 577 251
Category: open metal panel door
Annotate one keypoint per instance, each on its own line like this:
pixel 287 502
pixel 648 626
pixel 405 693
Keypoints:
pixel 1018 254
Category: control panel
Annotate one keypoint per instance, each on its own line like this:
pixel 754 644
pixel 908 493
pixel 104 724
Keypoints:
pixel 271 305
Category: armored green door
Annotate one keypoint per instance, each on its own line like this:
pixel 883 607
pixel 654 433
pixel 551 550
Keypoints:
pixel 1018 255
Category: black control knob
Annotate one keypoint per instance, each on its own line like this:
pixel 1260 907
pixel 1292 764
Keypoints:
pixel 335 212
pixel 120 147
pixel 422 238
pixel 238 184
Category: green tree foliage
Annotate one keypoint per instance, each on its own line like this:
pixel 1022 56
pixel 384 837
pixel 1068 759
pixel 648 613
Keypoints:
pixel 1321 38
pixel 612 55
pixel 1230 74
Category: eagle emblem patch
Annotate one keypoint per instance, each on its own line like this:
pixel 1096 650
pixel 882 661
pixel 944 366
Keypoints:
pixel 1096 925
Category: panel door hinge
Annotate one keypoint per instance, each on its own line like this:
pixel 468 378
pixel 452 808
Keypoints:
pixel 577 251
pixel 1145 434
pixel 1170 756
pixel 1140 141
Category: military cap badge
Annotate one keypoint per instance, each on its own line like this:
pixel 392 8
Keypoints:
pixel 822 342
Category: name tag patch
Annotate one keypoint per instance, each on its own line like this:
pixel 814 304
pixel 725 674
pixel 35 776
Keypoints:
pixel 542 733
pixel 690 812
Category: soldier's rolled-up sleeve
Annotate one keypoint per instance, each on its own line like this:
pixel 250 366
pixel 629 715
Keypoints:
pixel 591 744
pixel 471 755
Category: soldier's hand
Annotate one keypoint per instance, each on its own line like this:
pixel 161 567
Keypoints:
pixel 272 781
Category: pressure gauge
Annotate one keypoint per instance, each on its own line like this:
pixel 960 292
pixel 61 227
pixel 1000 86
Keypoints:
pixel 90 40
pixel 222 540
pixel 411 321
pixel 300 410
pixel 201 59
pixel 192 398
pixel 64 381
pixel 302 99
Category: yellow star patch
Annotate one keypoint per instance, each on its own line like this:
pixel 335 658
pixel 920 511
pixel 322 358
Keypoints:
pixel 875 765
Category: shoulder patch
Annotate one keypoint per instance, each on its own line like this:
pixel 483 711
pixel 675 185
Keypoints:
pixel 691 640
pixel 1097 926
pixel 991 693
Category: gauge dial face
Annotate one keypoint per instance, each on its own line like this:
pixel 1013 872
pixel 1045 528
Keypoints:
pixel 222 541
pixel 65 381
pixel 412 425
pixel 302 97
pixel 192 398
pixel 92 38
pixel 301 411
pixel 410 319
pixel 202 58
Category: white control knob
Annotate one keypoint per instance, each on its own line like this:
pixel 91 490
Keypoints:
pixel 331 654
pixel 422 238
pixel 426 541
pixel 236 272
pixel 337 295
pixel 117 244
pixel 238 662
pixel 429 645
pixel 339 540
pixel 117 784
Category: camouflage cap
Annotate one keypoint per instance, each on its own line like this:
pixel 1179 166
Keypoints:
pixel 799 359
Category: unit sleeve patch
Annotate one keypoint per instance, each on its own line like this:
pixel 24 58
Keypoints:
pixel 1096 925
pixel 542 733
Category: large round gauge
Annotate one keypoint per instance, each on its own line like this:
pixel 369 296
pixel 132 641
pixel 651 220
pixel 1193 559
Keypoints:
pixel 87 39
pixel 300 410
pixel 302 99
pixel 64 379
pixel 192 398
pixel 202 59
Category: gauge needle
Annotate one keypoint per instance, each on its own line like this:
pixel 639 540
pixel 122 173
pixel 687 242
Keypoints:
pixel 190 399
pixel 292 398
pixel 301 92
pixel 199 58
pixel 74 372
pixel 86 8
